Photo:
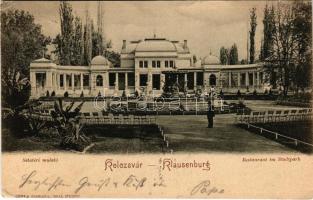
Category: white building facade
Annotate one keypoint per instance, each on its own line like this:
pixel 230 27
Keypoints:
pixel 146 66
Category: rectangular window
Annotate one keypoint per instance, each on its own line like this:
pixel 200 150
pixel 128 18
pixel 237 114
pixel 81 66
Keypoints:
pixel 111 79
pixel 172 63
pixel 143 79
pixel 145 64
pixel 86 80
pixel 131 79
pixel 153 63
pixel 158 64
pixel 141 64
pixel 166 63
pixel 199 78
pixel 156 81
pixel 61 80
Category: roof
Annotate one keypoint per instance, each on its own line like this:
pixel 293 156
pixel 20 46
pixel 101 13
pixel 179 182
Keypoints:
pixel 180 47
pixel 240 66
pixel 100 60
pixel 155 44
pixel 210 60
pixel 42 60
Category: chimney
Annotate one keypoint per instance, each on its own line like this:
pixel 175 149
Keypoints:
pixel 185 44
pixel 124 44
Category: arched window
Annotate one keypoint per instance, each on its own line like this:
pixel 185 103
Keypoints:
pixel 99 80
pixel 212 79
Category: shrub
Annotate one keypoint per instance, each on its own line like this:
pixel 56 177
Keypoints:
pixel 99 94
pixel 265 92
pixel 221 93
pixel 82 94
pixel 47 93
pixel 53 93
pixel 66 94
pixel 238 93
pixel 124 94
pixel 136 93
pixel 67 124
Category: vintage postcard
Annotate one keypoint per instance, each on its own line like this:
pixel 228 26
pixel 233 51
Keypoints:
pixel 156 99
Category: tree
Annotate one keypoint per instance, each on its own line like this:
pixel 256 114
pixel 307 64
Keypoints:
pixel 113 57
pixel 223 55
pixel 253 25
pixel 77 43
pixel 22 42
pixel 289 49
pixel 302 23
pixel 267 44
pixel 233 55
pixel 67 33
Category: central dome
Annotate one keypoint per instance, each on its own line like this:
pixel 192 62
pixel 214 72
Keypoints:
pixel 156 44
pixel 210 60
pixel 100 60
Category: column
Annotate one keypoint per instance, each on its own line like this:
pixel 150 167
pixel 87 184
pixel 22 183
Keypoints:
pixel 33 83
pixel 149 85
pixel 137 84
pixel 185 83
pixel 195 80
pixel 64 81
pixel 116 81
pixel 238 74
pixel 48 81
pixel 162 81
pixel 229 79
pixel 58 81
pixel 126 80
pixel 81 82
pixel 247 79
pixel 253 79
pixel 258 78
pixel 72 81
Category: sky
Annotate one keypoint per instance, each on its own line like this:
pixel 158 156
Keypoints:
pixel 206 25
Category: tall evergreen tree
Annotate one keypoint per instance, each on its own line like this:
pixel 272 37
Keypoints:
pixel 67 33
pixel 253 25
pixel 233 55
pixel 223 56
pixel 77 46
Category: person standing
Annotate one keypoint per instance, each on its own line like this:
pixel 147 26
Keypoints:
pixel 210 114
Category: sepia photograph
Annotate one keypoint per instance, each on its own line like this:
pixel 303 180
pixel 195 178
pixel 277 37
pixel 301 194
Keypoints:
pixel 159 78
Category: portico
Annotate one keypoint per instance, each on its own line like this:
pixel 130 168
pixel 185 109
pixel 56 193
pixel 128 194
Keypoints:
pixel 146 67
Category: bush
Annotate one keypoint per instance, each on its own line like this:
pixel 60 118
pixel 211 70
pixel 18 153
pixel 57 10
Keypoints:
pixel 124 94
pixel 47 93
pixel 53 93
pixel 238 93
pixel 265 92
pixel 66 94
pixel 82 94
pixel 136 93
pixel 221 93
pixel 99 94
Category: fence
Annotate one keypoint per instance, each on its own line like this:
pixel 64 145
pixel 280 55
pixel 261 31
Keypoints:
pixel 278 136
pixel 99 118
pixel 274 116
